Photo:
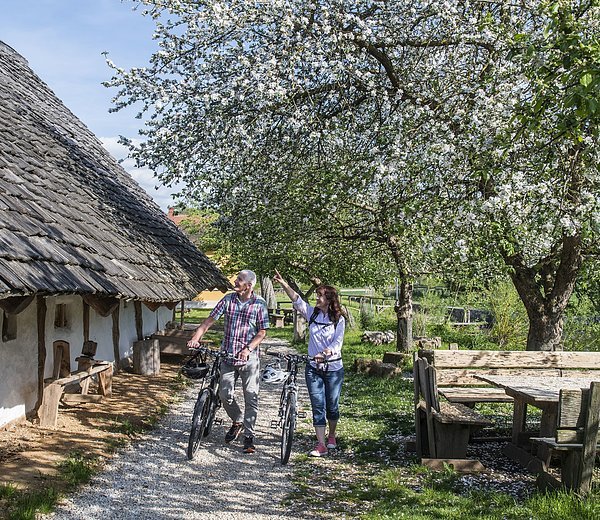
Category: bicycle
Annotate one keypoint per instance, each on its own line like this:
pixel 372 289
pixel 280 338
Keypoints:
pixel 208 401
pixel 288 402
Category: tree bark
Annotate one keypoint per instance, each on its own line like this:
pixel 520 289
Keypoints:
pixel 545 290
pixel 404 317
pixel 267 292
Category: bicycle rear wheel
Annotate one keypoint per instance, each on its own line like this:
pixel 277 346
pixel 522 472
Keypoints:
pixel 289 425
pixel 199 421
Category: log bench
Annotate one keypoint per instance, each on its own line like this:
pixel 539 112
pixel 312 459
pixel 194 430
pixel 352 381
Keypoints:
pixel 576 441
pixel 54 390
pixel 455 370
pixel 442 429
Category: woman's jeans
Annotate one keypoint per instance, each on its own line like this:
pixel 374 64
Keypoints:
pixel 324 389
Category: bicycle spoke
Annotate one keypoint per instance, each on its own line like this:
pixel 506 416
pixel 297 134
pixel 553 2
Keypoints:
pixel 199 422
pixel 289 425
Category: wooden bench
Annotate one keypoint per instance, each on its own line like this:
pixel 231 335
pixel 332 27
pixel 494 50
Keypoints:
pixel 54 390
pixel 277 320
pixel 442 429
pixel 455 370
pixel 576 440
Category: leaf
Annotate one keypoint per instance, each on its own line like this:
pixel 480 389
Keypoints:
pixel 587 79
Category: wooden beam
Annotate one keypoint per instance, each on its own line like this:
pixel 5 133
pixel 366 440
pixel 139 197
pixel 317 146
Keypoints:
pixel 116 336
pixel 459 465
pixel 137 305
pixel 16 304
pixel 41 341
pixel 86 321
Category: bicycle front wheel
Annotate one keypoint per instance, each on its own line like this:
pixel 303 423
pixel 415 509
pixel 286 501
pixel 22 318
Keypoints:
pixel 199 421
pixel 289 425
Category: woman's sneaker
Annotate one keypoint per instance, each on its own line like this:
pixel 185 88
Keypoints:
pixel 331 443
pixel 319 451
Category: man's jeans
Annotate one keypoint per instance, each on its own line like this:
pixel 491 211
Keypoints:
pixel 250 376
pixel 324 388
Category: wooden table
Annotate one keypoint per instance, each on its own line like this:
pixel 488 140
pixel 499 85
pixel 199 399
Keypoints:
pixel 541 392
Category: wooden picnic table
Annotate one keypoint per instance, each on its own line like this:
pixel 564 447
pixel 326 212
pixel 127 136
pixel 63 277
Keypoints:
pixel 540 392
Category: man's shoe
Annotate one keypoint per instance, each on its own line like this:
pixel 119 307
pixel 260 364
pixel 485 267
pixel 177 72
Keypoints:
pixel 331 443
pixel 319 451
pixel 234 432
pixel 249 445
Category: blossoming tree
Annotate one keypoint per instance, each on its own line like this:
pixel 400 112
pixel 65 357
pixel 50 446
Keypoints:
pixel 383 122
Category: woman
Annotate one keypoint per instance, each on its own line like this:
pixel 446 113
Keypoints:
pixel 324 375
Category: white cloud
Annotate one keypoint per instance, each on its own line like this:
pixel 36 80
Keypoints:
pixel 143 176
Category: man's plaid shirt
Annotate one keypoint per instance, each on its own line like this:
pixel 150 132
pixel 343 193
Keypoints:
pixel 242 321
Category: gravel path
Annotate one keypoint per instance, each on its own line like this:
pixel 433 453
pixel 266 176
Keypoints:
pixel 152 479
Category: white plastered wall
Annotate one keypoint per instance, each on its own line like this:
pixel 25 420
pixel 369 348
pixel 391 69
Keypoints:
pixel 19 357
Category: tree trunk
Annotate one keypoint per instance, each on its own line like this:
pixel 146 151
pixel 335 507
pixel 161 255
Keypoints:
pixel 404 315
pixel 299 328
pixel 267 292
pixel 545 290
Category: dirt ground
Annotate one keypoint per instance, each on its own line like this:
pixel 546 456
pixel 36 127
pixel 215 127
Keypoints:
pixel 29 455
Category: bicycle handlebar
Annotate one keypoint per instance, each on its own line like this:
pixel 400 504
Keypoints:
pixel 213 353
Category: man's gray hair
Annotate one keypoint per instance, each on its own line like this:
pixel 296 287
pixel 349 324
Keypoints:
pixel 249 276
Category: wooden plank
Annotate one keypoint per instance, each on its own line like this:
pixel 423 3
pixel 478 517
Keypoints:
pixel 590 439
pixel 78 376
pixel 460 414
pixel 466 376
pixel 48 409
pixel 513 359
pixel 459 465
pixel 105 381
pixel 570 412
pixel 475 395
pixel 79 398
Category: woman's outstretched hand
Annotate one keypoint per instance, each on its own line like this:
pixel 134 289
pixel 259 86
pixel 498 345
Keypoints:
pixel 278 278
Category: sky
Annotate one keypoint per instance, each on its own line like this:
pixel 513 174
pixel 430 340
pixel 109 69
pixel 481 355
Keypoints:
pixel 63 41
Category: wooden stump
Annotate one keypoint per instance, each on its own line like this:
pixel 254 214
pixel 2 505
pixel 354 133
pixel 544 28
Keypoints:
pixel 146 357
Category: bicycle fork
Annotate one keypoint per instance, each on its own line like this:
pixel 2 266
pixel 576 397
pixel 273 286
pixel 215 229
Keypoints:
pixel 278 423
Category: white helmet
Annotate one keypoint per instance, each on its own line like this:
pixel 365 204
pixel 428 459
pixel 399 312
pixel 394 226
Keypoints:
pixel 273 374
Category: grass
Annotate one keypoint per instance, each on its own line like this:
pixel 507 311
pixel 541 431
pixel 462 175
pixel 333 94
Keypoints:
pixel 372 477
pixel 75 470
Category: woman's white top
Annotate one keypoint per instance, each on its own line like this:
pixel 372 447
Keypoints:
pixel 323 333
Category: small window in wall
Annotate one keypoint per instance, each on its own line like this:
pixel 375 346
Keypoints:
pixel 9 326
pixel 61 316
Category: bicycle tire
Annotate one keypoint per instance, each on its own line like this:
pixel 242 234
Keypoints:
pixel 199 421
pixel 211 416
pixel 289 426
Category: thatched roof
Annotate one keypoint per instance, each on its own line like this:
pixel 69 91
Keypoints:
pixel 71 219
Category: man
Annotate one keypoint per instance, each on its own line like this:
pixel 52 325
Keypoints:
pixel 246 321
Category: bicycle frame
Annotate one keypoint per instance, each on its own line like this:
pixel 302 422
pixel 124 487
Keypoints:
pixel 208 400
pixel 288 411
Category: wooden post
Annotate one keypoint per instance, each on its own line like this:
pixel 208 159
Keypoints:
pixel 181 318
pixel 137 305
pixel 41 340
pixel 86 321
pixel 116 336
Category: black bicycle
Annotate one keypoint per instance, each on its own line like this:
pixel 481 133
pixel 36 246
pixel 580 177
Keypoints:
pixel 208 401
pixel 288 402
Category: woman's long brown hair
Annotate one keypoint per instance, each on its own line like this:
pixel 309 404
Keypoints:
pixel 334 309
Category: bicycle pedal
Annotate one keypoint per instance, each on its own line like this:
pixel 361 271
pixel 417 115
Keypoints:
pixel 301 415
